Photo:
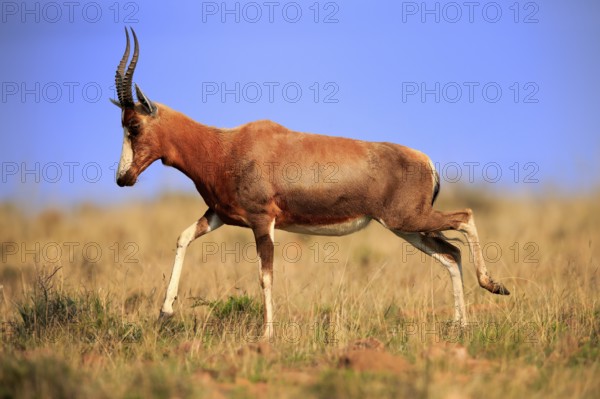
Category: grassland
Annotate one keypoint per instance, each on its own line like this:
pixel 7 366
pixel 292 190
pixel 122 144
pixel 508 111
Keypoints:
pixel 359 316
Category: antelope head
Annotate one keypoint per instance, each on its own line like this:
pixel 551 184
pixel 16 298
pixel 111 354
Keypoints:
pixel 140 121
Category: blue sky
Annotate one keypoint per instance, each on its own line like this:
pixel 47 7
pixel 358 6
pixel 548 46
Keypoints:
pixel 499 94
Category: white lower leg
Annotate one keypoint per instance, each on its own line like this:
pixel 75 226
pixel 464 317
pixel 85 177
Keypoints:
pixel 267 281
pixel 454 268
pixel 183 241
pixel 455 271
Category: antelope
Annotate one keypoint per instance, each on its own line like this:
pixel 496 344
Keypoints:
pixel 389 183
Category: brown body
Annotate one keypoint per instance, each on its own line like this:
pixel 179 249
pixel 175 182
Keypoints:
pixel 263 168
pixel 264 176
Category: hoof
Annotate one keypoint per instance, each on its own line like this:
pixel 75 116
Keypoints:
pixel 499 289
pixel 492 286
pixel 164 316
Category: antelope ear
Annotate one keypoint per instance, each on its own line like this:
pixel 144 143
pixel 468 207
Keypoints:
pixel 145 101
pixel 118 104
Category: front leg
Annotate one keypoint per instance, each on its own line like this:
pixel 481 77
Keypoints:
pixel 207 223
pixel 264 235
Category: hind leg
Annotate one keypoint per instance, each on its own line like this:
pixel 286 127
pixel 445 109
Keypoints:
pixel 463 221
pixel 438 248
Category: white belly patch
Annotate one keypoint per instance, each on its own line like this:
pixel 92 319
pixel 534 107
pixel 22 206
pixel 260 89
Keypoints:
pixel 337 229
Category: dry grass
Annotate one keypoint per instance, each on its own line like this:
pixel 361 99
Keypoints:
pixel 80 292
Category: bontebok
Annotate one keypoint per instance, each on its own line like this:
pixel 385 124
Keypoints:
pixel 265 177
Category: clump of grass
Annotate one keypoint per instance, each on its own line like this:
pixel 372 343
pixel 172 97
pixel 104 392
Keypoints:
pixel 42 377
pixel 233 308
pixel 237 316
pixel 162 382
pixel 49 312
pixel 46 308
pixel 325 327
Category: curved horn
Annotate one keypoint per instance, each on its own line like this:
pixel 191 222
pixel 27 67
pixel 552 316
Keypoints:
pixel 128 92
pixel 121 71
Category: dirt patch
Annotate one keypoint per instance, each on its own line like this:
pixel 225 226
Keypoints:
pixel 369 355
pixel 298 377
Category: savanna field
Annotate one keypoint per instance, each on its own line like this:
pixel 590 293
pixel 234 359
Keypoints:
pixel 359 316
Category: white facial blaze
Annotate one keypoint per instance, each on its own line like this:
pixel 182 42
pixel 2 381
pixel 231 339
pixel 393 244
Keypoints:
pixel 126 155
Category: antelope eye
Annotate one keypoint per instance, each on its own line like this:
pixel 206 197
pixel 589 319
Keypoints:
pixel 133 129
